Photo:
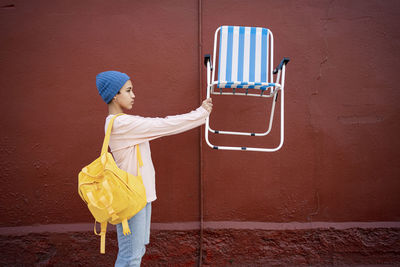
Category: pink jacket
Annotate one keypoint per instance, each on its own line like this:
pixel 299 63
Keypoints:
pixel 130 130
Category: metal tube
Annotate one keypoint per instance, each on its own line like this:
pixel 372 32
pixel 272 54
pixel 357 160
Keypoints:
pixel 271 77
pixel 241 94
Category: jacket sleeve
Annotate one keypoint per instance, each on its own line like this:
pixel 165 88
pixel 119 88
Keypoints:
pixel 129 130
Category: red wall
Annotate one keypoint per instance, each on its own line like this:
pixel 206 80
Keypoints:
pixel 340 157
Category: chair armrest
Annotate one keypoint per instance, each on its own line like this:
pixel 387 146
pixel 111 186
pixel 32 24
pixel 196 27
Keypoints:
pixel 207 58
pixel 284 61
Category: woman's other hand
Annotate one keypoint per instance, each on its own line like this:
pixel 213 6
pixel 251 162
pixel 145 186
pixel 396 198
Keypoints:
pixel 207 105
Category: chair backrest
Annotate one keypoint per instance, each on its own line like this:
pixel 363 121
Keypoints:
pixel 243 55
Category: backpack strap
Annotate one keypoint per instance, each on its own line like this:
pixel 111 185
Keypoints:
pixel 102 236
pixel 106 141
pixel 125 227
pixel 139 159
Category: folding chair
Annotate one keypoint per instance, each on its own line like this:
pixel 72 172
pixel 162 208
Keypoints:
pixel 245 66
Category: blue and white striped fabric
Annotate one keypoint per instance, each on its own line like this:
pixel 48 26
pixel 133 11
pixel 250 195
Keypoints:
pixel 243 58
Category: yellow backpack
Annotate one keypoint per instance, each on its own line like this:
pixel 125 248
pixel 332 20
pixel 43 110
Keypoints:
pixel 111 194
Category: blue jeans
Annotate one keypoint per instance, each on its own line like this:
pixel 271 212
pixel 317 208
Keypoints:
pixel 131 248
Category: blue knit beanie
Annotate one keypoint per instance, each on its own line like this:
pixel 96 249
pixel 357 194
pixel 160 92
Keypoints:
pixel 109 83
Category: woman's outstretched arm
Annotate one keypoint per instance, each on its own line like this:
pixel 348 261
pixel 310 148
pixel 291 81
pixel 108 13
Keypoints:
pixel 130 130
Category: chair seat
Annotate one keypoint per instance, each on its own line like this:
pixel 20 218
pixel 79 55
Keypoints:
pixel 250 85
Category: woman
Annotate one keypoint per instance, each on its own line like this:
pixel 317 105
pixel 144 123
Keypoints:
pixel 128 132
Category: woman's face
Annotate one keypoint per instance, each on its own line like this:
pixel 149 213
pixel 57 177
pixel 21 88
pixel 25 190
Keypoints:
pixel 126 97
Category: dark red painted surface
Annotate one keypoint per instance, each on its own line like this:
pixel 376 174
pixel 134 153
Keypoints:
pixel 339 160
pixel 341 152
pixel 51 53
pixel 317 247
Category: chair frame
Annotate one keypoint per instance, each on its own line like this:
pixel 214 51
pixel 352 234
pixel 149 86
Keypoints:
pixel 274 88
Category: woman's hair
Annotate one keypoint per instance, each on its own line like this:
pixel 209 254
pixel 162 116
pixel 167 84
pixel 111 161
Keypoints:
pixel 112 99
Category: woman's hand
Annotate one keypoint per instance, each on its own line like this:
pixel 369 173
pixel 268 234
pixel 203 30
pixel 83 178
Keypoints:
pixel 207 105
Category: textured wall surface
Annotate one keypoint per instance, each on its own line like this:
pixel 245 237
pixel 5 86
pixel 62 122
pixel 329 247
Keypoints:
pixel 50 55
pixel 339 162
pixel 228 247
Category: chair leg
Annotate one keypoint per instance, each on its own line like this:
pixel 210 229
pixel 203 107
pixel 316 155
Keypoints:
pixel 282 97
pixel 271 117
pixel 251 148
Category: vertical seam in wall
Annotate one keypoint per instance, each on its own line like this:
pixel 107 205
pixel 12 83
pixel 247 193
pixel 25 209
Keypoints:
pixel 201 174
